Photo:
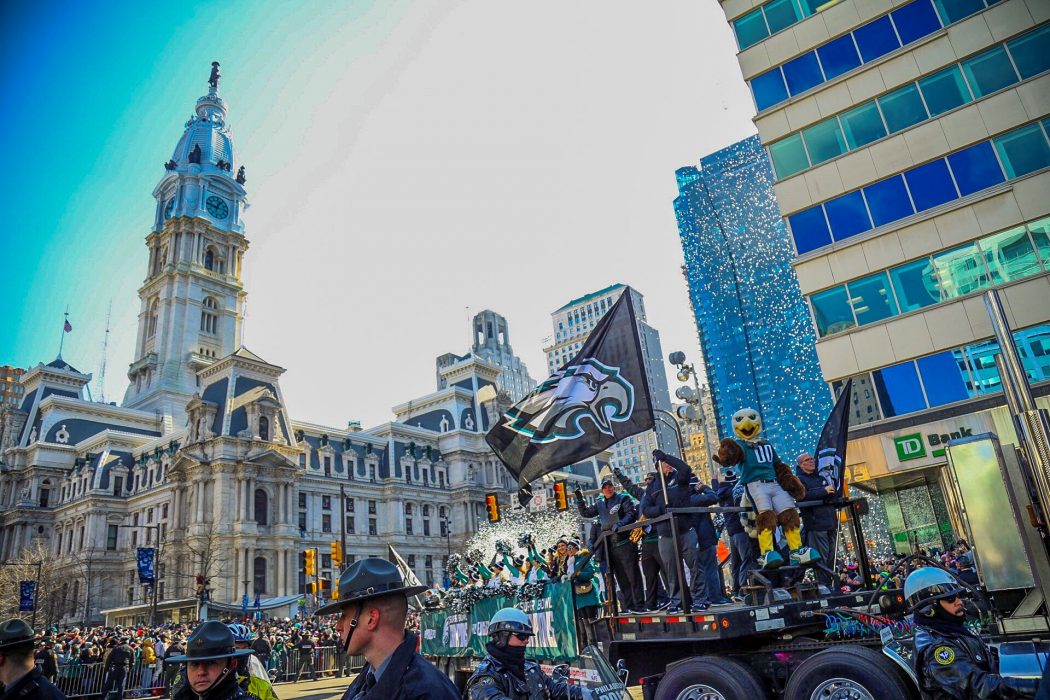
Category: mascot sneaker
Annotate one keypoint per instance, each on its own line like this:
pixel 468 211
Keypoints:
pixel 771 560
pixel 804 555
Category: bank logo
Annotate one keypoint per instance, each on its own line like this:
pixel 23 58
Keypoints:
pixel 910 447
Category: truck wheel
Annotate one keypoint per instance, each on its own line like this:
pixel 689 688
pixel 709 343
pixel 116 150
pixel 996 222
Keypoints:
pixel 710 678
pixel 853 672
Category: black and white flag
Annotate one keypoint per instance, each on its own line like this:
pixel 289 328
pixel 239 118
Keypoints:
pixel 831 447
pixel 596 399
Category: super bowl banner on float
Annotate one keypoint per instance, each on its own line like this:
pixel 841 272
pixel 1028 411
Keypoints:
pixel 596 399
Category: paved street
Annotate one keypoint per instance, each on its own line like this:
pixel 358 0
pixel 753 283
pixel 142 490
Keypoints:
pixel 313 690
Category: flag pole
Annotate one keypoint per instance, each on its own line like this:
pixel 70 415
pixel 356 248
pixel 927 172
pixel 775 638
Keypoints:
pixel 62 340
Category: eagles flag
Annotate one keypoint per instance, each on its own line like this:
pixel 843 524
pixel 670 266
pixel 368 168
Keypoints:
pixel 596 399
pixel 831 447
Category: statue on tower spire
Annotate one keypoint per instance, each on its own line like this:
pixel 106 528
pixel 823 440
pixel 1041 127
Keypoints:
pixel 213 80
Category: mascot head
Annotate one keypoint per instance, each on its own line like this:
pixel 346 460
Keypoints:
pixel 747 424
pixel 558 409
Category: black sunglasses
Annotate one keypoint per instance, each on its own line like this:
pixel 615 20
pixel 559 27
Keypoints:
pixel 522 636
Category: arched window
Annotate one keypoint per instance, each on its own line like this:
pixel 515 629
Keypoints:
pixel 264 428
pixel 209 259
pixel 262 503
pixel 259 585
pixel 151 324
pixel 209 315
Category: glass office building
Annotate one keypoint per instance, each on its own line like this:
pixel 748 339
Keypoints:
pixel 910 143
pixel 753 323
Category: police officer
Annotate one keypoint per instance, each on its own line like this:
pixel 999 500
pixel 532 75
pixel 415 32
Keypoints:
pixel 212 660
pixel 615 510
pixel 373 605
pixel 950 660
pixel 19 677
pixel 504 674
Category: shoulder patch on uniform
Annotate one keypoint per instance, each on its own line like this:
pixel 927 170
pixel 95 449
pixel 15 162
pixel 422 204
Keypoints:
pixel 487 680
pixel 944 655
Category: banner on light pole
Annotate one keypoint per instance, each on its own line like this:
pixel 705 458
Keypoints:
pixel 26 596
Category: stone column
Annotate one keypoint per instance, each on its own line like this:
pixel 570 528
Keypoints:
pixel 250 505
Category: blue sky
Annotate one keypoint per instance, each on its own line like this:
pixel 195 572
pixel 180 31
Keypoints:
pixel 408 163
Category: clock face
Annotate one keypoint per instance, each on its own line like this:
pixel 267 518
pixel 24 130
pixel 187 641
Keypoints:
pixel 169 208
pixel 216 207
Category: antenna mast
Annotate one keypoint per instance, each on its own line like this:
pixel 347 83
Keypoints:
pixel 102 364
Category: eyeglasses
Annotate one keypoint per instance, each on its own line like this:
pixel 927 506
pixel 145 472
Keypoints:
pixel 522 636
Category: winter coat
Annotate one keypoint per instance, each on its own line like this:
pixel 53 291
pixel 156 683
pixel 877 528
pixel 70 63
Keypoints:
pixel 724 489
pixel 817 517
pixel 492 681
pixel 32 686
pixel 612 513
pixel 705 529
pixel 677 497
pixel 408 676
pixel 951 665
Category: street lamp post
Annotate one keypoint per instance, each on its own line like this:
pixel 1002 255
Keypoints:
pixel 685 371
pixel 244 605
pixel 448 535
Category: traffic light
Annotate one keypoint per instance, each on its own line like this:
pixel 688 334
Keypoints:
pixel 312 588
pixel 561 499
pixel 311 562
pixel 492 507
pixel 337 554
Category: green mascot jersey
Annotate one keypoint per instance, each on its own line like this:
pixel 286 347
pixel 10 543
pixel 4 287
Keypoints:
pixel 759 458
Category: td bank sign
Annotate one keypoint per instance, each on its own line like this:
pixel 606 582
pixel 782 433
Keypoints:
pixel 926 443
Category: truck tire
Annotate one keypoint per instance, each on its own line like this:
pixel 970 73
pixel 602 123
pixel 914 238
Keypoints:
pixel 849 671
pixel 711 678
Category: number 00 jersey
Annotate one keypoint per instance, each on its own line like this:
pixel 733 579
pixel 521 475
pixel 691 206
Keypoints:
pixel 759 458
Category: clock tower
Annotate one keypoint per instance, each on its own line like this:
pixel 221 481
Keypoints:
pixel 193 296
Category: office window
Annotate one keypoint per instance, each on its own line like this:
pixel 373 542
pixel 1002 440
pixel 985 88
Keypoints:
pixel 781 14
pixel 1033 345
pixel 372 526
pixel 408 526
pixel 902 108
pixel 302 521
pixel 1023 150
pixel 1031 52
pixel 989 71
pixel 915 20
pixel 862 125
pixel 930 185
pixel 810 230
pixel 824 141
pixel 371 507
pixel 832 311
pixel 888 200
pixel 975 168
pixel 872 299
pixel 915 284
pixel 111 538
pixel 898 389
pixel 944 90
pixel 802 73
pixel 326 502
pixel 955 10
pixel 876 39
pixel 838 56
pixel 943 378
pixel 750 29
pixel 769 89
pixel 1009 255
pixel 1040 231
pixel 788 156
pixel 326 523
pixel 960 271
pixel 302 500
pixel 980 361
pixel 847 215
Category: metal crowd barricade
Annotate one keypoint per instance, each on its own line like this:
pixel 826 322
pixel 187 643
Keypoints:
pixel 294 664
pixel 79 680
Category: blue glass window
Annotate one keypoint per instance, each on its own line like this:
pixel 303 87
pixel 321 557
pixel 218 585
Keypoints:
pixel 902 108
pixel 1031 51
pixel 944 90
pixel 1023 150
pixel 989 71
pixel 1009 255
pixel 876 39
pixel 809 229
pixel 915 20
pixel 898 389
pixel 943 379
pixel 872 299
pixel 838 56
pixel 750 29
pixel 862 125
pixel 955 10
pixel 915 285
pixel 930 185
pixel 802 73
pixel 980 358
pixel 1033 344
pixel 781 14
pixel 847 215
pixel 824 141
pixel 789 156
pixel 888 200
pixel 769 89
pixel 975 168
pixel 832 311
pixel 960 271
pixel 1040 231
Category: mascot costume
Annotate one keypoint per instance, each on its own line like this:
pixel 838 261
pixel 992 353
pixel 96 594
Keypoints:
pixel 769 485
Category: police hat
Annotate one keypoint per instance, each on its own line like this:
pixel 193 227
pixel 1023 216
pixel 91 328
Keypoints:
pixel 212 640
pixel 15 632
pixel 366 579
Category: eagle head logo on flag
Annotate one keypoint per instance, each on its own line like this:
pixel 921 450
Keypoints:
pixel 557 408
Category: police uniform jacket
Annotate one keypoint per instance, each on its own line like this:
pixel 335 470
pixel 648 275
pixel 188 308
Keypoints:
pixel 408 676
pixel 492 681
pixel 32 686
pixel 960 666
